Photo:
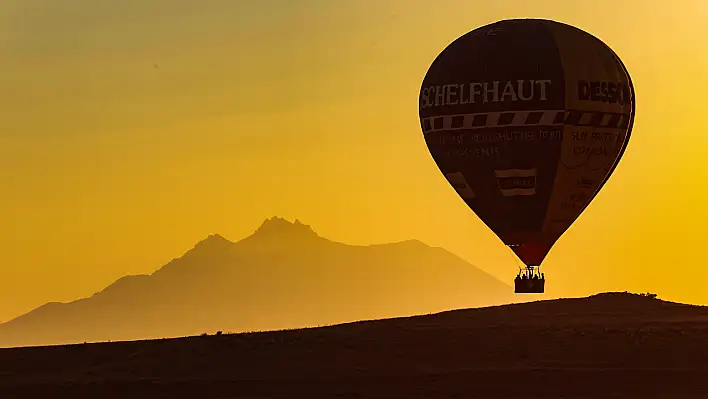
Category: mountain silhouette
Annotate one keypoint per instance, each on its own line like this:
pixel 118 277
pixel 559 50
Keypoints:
pixel 284 275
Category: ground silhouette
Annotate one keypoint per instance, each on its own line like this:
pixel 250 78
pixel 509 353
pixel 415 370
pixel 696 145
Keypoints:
pixel 284 275
pixel 607 345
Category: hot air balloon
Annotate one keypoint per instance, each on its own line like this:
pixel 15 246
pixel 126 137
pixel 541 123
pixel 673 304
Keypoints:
pixel 527 119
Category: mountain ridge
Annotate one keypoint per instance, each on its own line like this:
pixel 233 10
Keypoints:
pixel 283 274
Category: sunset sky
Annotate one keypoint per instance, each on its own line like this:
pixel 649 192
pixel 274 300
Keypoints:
pixel 132 129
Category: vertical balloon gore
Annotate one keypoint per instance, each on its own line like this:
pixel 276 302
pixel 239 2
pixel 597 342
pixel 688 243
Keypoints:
pixel 527 119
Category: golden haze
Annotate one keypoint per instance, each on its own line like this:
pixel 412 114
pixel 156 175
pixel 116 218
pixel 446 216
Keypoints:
pixel 131 130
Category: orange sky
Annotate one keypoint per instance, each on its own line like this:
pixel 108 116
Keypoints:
pixel 131 130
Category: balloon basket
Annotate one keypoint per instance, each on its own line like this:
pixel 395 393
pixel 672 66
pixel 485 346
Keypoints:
pixel 530 281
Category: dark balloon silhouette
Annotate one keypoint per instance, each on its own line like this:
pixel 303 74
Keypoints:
pixel 527 119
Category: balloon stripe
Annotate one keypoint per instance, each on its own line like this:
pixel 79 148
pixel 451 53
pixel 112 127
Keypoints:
pixel 483 120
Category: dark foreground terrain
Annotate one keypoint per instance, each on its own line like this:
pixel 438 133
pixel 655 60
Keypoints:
pixel 608 345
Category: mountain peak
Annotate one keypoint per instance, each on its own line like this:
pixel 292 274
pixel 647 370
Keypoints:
pixel 277 226
pixel 211 243
pixel 214 239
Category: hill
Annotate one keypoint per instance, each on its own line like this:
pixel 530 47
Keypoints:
pixel 284 275
pixel 607 345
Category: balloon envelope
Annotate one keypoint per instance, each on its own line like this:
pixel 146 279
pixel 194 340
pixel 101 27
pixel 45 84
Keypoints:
pixel 527 120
